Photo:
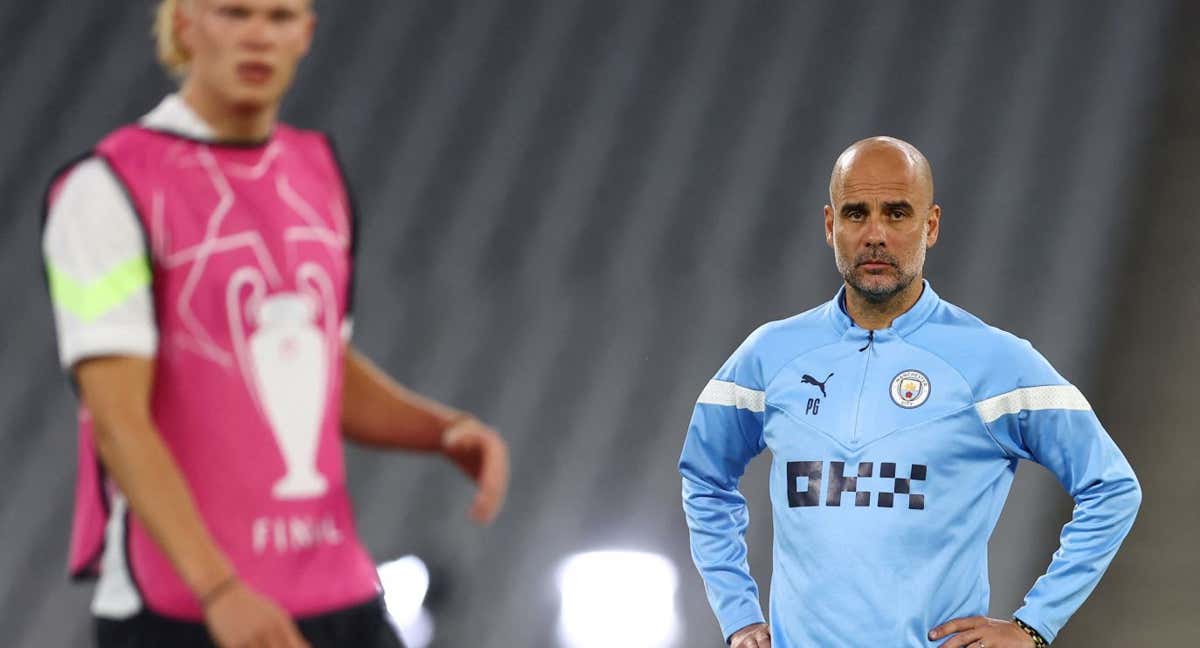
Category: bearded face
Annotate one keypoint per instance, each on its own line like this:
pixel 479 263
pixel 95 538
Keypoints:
pixel 881 266
pixel 881 219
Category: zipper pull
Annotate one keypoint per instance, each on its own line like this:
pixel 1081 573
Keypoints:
pixel 870 340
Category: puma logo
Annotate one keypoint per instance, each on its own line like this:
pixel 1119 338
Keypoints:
pixel 819 384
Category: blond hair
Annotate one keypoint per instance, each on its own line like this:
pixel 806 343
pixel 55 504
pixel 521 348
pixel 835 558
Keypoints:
pixel 171 54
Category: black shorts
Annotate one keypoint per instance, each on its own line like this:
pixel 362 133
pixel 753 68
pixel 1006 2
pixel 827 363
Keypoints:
pixel 361 626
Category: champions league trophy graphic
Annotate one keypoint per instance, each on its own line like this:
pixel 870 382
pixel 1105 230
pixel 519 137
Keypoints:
pixel 285 364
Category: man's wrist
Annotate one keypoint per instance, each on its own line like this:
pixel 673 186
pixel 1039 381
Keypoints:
pixel 450 422
pixel 204 567
pixel 1038 640
pixel 214 593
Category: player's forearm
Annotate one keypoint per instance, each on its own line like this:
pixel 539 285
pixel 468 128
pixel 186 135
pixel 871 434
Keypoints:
pixel 378 411
pixel 1074 446
pixel 716 527
pixel 116 391
pixel 136 458
pixel 1103 516
pixel 717 518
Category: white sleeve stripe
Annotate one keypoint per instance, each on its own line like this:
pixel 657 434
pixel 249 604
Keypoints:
pixel 722 392
pixel 1050 397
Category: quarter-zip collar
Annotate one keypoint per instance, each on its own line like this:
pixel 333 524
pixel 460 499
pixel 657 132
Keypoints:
pixel 905 324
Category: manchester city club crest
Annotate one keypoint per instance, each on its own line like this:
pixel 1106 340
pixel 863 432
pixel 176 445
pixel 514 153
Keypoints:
pixel 910 389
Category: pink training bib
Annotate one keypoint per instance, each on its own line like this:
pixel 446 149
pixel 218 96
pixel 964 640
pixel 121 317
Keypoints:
pixel 250 247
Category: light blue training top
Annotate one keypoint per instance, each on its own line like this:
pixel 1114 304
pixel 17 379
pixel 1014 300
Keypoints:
pixel 892 454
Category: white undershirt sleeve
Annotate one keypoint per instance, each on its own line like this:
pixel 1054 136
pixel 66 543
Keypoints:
pixel 99 269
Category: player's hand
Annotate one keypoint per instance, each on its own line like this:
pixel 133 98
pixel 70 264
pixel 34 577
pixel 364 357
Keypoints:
pixel 242 618
pixel 483 455
pixel 757 635
pixel 979 631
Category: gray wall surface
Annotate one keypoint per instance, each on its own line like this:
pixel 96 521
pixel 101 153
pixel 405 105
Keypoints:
pixel 574 210
pixel 1147 383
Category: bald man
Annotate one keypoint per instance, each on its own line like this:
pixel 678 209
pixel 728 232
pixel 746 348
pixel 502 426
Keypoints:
pixel 895 421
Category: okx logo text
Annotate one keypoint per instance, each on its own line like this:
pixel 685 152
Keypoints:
pixel 809 480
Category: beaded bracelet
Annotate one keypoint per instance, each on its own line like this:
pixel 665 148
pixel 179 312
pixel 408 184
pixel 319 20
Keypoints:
pixel 1038 641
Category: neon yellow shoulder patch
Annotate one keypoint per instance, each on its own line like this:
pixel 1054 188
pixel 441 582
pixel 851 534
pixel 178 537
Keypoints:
pixel 99 296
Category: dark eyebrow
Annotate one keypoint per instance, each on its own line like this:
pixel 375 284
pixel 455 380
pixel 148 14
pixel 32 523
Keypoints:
pixel 853 207
pixel 902 205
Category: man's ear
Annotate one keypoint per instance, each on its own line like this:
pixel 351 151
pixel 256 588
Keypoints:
pixel 181 24
pixel 312 30
pixel 933 226
pixel 829 225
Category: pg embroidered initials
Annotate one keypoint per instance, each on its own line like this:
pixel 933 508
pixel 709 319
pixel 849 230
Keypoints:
pixel 804 484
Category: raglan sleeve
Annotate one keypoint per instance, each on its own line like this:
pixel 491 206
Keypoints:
pixel 97 268
pixel 725 433
pixel 1045 419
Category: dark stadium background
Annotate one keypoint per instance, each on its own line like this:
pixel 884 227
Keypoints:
pixel 573 210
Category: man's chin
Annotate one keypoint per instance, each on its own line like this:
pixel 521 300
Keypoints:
pixel 251 99
pixel 249 104
pixel 875 288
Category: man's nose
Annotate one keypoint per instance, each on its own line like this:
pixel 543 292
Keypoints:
pixel 257 35
pixel 874 233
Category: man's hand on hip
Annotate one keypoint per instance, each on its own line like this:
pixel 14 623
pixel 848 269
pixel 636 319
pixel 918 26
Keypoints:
pixel 982 632
pixel 757 635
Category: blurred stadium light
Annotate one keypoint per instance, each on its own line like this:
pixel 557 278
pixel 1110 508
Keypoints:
pixel 624 598
pixel 405 583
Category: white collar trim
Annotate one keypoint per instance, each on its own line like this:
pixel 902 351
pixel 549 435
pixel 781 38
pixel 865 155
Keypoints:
pixel 173 115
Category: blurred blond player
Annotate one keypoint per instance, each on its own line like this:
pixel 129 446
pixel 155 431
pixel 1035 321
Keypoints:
pixel 200 267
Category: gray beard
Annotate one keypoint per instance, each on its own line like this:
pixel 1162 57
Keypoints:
pixel 878 295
